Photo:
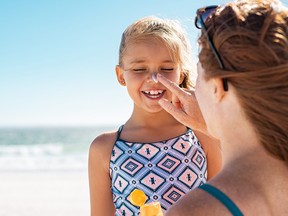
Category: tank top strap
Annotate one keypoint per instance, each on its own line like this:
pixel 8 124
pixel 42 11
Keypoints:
pixel 119 131
pixel 223 198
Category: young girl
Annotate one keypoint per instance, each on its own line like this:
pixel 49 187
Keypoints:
pixel 152 151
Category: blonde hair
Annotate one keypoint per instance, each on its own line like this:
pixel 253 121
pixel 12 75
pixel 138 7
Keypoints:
pixel 251 37
pixel 171 34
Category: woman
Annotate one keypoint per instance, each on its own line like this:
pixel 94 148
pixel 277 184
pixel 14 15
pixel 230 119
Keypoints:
pixel 242 91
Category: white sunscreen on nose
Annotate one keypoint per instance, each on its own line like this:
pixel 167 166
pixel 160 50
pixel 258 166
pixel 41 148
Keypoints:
pixel 154 77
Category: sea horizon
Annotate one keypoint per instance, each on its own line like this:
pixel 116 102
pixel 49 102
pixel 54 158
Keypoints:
pixel 47 148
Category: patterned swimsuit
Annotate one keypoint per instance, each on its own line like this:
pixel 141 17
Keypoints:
pixel 164 170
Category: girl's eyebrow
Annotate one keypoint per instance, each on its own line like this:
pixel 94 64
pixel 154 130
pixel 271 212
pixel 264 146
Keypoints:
pixel 168 61
pixel 137 61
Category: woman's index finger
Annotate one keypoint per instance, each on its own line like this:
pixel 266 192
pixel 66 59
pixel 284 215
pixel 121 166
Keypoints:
pixel 173 87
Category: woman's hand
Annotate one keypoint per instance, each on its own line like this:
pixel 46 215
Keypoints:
pixel 184 106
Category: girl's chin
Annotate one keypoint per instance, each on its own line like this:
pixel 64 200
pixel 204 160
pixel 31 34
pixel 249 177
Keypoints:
pixel 156 110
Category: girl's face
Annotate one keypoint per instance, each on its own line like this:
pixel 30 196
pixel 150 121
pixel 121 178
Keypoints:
pixel 140 61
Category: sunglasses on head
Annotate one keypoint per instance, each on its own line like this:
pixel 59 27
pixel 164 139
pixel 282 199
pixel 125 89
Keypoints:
pixel 201 16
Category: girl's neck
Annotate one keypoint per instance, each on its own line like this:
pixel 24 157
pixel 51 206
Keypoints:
pixel 140 118
pixel 151 127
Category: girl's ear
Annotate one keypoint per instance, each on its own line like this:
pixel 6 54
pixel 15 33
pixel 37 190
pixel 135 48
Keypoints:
pixel 218 88
pixel 120 75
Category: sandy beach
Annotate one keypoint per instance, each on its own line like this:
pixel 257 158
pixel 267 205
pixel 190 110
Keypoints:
pixel 50 193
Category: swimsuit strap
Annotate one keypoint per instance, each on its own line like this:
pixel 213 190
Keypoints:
pixel 119 131
pixel 224 199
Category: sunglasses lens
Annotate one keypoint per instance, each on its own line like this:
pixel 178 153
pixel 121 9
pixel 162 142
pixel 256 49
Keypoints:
pixel 202 16
pixel 198 22
pixel 207 13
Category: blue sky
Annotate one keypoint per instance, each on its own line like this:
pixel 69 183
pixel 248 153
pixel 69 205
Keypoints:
pixel 57 58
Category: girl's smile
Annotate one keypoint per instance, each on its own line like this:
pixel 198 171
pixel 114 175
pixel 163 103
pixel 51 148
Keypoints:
pixel 154 93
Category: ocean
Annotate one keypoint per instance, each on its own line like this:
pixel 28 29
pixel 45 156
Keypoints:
pixel 47 148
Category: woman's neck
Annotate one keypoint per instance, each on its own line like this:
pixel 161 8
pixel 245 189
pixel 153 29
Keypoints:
pixel 238 141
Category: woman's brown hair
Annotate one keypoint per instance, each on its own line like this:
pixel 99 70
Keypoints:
pixel 251 36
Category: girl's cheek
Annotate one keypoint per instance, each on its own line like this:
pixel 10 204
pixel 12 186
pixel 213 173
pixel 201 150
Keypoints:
pixel 171 76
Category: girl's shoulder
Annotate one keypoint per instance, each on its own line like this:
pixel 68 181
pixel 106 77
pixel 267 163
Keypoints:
pixel 101 147
pixel 104 141
pixel 213 152
pixel 208 143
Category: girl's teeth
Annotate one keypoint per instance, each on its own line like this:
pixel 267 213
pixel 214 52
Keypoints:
pixel 154 92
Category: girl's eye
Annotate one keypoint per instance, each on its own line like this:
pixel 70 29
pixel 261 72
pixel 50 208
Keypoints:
pixel 167 69
pixel 139 70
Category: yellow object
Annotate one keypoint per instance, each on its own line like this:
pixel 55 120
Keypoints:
pixel 138 197
pixel 151 209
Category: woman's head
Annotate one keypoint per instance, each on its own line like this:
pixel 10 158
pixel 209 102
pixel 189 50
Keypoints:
pixel 251 38
pixel 167 31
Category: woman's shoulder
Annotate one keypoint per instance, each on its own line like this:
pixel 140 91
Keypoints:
pixel 197 202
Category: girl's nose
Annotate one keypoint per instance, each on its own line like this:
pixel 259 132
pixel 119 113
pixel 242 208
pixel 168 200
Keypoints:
pixel 153 77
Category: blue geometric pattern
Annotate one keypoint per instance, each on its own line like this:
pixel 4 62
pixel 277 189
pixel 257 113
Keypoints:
pixel 164 170
pixel 174 196
pixel 168 163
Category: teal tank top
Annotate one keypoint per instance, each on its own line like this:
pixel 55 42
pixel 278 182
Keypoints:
pixel 223 198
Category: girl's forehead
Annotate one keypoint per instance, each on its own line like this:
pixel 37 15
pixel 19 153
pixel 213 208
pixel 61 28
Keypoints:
pixel 146 40
pixel 148 49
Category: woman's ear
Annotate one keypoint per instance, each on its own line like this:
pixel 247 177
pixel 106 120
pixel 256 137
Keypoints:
pixel 120 75
pixel 218 88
